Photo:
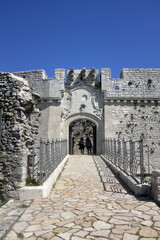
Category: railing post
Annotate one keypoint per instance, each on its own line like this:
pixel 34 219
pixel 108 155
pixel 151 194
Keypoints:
pixel 48 157
pixel 109 157
pixel 33 165
pixel 107 148
pixel 55 156
pixel 115 152
pixel 111 150
pixel 123 154
pixel 52 155
pixel 119 153
pixel 125 159
pixel 56 153
pixel 131 156
pixel 106 142
pixel 59 151
pixel 110 153
pixel 64 148
pixel 41 159
pixel 141 159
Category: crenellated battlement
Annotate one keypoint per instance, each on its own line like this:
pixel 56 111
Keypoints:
pixel 133 84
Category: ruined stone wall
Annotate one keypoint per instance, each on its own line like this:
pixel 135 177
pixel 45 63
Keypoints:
pixel 19 128
pixel 34 77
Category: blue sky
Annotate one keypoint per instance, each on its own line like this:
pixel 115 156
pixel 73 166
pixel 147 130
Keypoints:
pixel 49 34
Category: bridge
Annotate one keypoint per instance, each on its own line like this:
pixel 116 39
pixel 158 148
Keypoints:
pixel 87 202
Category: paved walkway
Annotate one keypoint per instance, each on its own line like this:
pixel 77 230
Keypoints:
pixel 79 208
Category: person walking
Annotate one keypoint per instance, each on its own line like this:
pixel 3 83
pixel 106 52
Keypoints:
pixel 88 145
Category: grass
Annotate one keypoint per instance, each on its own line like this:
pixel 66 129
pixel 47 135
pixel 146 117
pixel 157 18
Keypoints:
pixel 24 206
pixel 20 235
pixel 32 182
pixel 4 202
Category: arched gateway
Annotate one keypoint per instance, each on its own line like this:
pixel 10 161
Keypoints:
pixel 82 128
pixel 82 110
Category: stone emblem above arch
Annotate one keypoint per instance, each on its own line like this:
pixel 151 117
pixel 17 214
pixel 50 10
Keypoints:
pixel 81 99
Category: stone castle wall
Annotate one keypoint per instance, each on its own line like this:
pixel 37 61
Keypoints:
pixel 132 108
pixel 127 120
pixel 19 130
pixel 133 84
pixel 46 88
pixel 33 106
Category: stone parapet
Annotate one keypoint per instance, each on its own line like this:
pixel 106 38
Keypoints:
pixel 32 75
pixel 133 84
pixel 155 185
pixel 133 184
pixel 43 191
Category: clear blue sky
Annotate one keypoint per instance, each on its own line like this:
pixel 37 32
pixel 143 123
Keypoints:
pixel 49 34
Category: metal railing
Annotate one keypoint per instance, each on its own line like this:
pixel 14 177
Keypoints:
pixel 131 157
pixel 49 156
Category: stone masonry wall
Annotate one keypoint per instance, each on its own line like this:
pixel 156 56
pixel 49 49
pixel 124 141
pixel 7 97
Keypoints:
pixel 132 107
pixel 155 184
pixel 18 132
pixel 130 120
pixel 133 84
pixel 46 88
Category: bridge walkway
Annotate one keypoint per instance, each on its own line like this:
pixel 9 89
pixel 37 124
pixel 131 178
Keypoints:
pixel 88 202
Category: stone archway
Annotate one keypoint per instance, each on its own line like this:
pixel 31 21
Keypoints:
pixel 81 128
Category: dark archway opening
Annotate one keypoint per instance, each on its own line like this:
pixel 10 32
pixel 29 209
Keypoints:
pixel 82 128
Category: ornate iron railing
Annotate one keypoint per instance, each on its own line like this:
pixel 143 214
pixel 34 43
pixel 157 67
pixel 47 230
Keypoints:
pixel 130 156
pixel 46 160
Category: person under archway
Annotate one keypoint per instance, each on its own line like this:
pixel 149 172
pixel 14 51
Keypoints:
pixel 81 145
pixel 88 145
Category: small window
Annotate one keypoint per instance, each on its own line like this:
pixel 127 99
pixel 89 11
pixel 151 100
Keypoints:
pixel 116 87
pixel 149 83
pixel 130 83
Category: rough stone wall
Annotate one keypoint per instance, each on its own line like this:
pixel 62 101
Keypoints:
pixel 19 128
pixel 34 77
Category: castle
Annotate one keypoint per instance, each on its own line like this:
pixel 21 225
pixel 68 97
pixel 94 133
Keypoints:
pixel 74 104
